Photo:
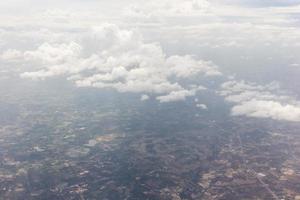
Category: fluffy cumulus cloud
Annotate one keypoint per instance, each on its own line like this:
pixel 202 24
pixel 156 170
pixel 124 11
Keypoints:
pixel 110 57
pixel 173 43
pixel 259 101
pixel 268 109
pixel 176 95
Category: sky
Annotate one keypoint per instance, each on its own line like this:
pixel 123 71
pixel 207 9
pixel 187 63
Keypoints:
pixel 162 49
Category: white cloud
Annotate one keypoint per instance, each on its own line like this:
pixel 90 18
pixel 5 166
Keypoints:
pixel 144 97
pixel 110 57
pixel 49 54
pixel 295 64
pixel 259 101
pixel 202 106
pixel 187 66
pixel 209 11
pixel 176 96
pixel 11 55
pixel 168 8
pixel 229 30
pixel 267 109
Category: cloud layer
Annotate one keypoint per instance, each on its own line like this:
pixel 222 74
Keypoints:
pixel 110 57
pixel 259 101
pixel 158 49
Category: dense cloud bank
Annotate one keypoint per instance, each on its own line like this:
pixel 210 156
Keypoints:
pixel 110 57
pixel 159 49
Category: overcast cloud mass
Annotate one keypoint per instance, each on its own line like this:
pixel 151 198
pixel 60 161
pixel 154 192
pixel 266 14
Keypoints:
pixel 162 50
